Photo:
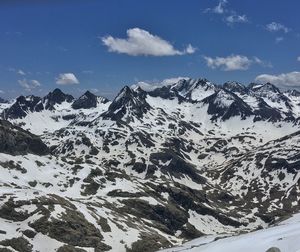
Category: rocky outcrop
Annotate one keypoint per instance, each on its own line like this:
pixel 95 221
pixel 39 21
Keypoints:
pixel 16 141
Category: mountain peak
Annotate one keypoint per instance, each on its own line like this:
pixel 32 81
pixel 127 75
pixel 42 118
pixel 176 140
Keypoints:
pixel 88 93
pixel 225 104
pixel 56 97
pixel 125 92
pixel 235 86
pixel 267 87
pixel 194 89
pixel 128 102
pixel 57 91
pixel 294 92
pixel 22 106
pixel 85 101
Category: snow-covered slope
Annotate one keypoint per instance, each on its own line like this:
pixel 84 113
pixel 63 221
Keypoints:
pixel 152 168
pixel 52 112
pixel 283 237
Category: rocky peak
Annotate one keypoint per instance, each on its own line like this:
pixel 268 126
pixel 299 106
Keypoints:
pixel 225 104
pixel 264 88
pixel 187 85
pixel 86 101
pixel 270 92
pixel 56 97
pixel 194 89
pixel 234 86
pixel 125 93
pixel 293 92
pixel 22 106
pixel 130 102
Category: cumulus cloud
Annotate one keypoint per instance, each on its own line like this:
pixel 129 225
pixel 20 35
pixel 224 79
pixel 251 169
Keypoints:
pixel 236 19
pixel 66 79
pixel 291 79
pixel 233 62
pixel 276 27
pixel 141 42
pixel 219 9
pixel 29 85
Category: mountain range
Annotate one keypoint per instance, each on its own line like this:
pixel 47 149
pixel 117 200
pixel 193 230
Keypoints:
pixel 150 169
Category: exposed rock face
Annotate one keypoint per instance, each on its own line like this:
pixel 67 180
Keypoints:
pixel 194 89
pixel 225 104
pixel 23 106
pixel 88 100
pixel 294 92
pixel 155 167
pixel 56 97
pixel 234 86
pixel 19 244
pixel 28 104
pixel 128 104
pixel 15 141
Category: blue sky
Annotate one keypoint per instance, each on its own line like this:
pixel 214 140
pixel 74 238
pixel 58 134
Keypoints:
pixel 103 45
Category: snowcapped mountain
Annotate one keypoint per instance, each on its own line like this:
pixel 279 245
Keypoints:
pixel 88 101
pixel 54 111
pixel 195 90
pixel 225 104
pixel 150 169
pixel 128 105
pixel 235 87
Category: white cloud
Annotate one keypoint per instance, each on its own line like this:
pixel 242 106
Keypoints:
pixel 29 85
pixel 190 49
pixel 1 91
pixel 291 79
pixel 298 59
pixel 232 62
pixel 66 79
pixel 141 42
pixel 21 72
pixel 230 16
pixel 275 27
pixel 219 9
pixel 236 19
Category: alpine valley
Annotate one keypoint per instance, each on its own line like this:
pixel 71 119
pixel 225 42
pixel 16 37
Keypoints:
pixel 155 167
